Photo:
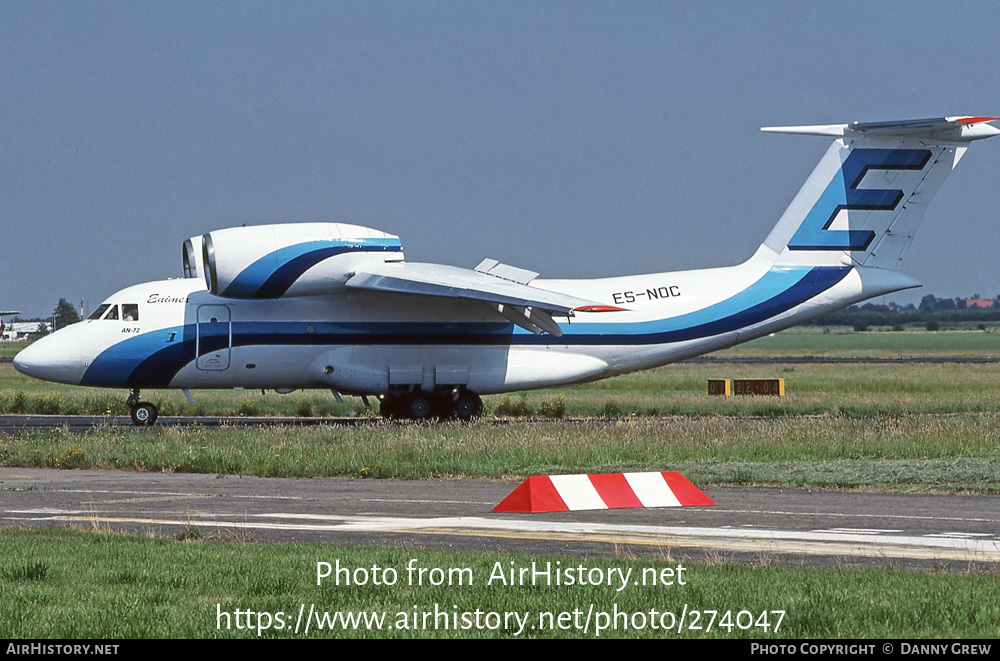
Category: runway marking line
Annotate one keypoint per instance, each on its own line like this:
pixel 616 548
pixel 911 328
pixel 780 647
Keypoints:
pixel 737 540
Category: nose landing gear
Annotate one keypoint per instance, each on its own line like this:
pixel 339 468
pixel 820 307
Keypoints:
pixel 143 414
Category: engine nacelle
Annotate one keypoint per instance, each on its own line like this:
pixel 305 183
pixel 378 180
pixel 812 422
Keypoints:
pixel 193 267
pixel 303 259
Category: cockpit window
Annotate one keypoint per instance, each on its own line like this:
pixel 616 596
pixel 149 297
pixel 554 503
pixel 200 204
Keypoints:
pixel 99 312
pixel 109 312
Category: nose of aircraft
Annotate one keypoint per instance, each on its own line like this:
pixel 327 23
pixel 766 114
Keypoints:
pixel 56 357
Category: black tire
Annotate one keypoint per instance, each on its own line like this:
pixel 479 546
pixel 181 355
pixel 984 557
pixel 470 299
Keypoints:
pixel 468 406
pixel 418 406
pixel 144 414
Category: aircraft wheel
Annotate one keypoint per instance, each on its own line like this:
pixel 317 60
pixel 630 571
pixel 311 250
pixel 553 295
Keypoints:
pixel 468 406
pixel 144 414
pixel 418 406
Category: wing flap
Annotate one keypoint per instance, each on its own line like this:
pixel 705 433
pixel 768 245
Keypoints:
pixel 533 319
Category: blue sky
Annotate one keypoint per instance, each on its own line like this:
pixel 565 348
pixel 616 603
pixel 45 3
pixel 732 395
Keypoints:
pixel 574 139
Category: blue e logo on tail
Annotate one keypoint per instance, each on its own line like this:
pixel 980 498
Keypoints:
pixel 843 193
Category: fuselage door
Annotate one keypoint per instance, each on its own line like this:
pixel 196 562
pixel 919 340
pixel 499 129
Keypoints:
pixel 215 337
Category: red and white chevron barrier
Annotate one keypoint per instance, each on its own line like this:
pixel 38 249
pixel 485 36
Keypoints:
pixel 563 493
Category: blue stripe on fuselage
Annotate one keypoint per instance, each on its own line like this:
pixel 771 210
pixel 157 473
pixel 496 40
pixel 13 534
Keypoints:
pixel 271 275
pixel 780 289
pixel 151 360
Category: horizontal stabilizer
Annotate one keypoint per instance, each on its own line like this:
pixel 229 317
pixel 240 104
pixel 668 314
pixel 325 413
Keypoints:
pixel 938 129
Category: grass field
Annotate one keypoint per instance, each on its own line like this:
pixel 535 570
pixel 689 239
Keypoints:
pixel 71 584
pixel 891 426
pixel 913 453
pixel 842 342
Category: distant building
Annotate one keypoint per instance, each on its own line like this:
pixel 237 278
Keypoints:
pixel 983 303
pixel 23 331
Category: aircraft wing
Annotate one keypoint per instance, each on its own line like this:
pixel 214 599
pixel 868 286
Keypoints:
pixel 504 287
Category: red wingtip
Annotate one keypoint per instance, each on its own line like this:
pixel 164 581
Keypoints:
pixel 976 120
pixel 599 308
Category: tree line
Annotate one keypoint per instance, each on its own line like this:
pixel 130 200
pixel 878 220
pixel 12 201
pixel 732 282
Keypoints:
pixel 931 313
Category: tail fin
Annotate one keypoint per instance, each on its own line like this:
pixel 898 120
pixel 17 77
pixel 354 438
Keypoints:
pixel 862 204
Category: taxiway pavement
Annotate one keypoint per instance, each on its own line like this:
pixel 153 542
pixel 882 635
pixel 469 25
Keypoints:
pixel 766 526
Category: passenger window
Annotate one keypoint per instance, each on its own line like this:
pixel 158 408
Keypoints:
pixel 99 312
pixel 130 312
pixel 112 313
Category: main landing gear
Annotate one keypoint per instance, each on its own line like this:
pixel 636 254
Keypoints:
pixel 420 404
pixel 143 413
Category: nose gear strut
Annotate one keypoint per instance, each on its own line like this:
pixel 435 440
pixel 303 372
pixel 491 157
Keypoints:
pixel 143 414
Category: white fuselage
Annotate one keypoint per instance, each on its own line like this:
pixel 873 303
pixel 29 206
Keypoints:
pixel 371 342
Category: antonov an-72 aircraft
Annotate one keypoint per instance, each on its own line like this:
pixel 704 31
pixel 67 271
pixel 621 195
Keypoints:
pixel 335 306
